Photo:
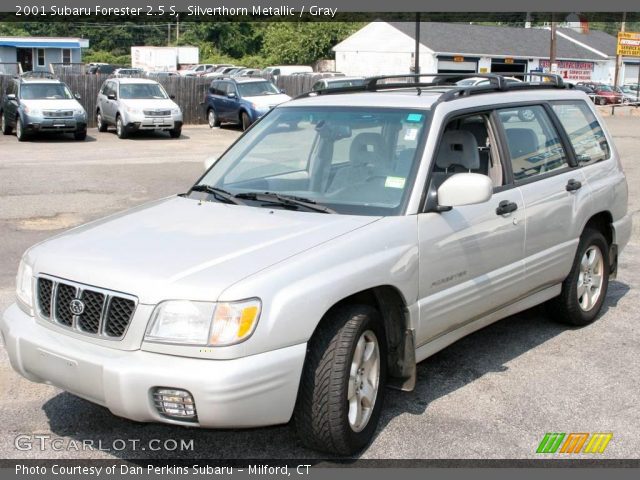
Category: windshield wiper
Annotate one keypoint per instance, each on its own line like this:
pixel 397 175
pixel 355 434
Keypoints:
pixel 287 200
pixel 218 193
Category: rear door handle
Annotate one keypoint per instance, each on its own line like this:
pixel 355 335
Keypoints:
pixel 573 185
pixel 505 207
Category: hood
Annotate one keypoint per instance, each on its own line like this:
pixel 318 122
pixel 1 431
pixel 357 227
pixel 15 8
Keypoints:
pixel 150 103
pixel 179 248
pixel 268 100
pixel 59 104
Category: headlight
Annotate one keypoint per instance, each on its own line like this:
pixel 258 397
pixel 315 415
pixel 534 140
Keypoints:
pixel 133 111
pixel 31 111
pixel 79 112
pixel 203 323
pixel 176 111
pixel 24 290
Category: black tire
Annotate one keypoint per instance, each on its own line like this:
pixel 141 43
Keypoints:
pixel 321 416
pixel 121 129
pixel 601 101
pixel 6 128
pixel 100 123
pixel 20 133
pixel 245 121
pixel 80 136
pixel 566 308
pixel 175 133
pixel 212 118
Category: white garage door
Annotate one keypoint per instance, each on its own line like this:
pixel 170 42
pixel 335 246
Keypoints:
pixel 630 73
pixel 449 65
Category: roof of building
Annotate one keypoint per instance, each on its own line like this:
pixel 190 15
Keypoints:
pixel 597 39
pixel 469 39
pixel 44 42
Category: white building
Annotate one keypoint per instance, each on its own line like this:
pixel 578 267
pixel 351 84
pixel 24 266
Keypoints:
pixel 388 48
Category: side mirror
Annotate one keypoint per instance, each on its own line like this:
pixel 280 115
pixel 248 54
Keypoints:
pixel 464 189
pixel 11 96
pixel 231 95
pixel 77 95
pixel 172 97
pixel 282 90
pixel 111 96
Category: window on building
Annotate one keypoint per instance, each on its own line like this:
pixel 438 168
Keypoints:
pixel 41 57
pixel 66 56
pixel 586 134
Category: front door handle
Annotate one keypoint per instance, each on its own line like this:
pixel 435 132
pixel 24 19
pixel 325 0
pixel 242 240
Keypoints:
pixel 573 185
pixel 505 207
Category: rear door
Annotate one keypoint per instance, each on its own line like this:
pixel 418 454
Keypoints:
pixel 10 107
pixel 555 200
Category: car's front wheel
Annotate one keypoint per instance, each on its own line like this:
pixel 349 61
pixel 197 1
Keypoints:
pixel 585 288
pixel 20 133
pixel 342 386
pixel 121 131
pixel 80 136
pixel 175 132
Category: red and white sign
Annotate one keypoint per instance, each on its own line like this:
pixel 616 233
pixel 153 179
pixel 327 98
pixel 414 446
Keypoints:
pixel 571 70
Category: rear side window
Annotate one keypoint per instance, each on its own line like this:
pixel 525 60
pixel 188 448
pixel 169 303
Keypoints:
pixel 585 133
pixel 534 144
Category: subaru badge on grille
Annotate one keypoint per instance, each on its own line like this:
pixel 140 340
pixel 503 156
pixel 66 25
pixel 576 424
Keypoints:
pixel 76 306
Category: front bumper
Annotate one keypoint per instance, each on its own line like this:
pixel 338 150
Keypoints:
pixel 141 122
pixel 36 124
pixel 250 391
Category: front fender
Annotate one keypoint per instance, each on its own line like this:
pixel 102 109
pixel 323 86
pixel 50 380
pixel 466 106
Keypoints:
pixel 297 292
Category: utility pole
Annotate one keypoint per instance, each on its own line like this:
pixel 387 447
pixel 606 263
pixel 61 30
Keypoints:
pixel 169 34
pixel 619 57
pixel 177 29
pixel 416 55
pixel 553 49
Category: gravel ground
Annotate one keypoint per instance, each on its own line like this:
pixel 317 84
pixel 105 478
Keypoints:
pixel 493 394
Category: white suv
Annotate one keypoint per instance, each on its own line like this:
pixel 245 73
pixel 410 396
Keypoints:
pixel 345 237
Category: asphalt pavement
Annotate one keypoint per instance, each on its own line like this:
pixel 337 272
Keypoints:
pixel 493 394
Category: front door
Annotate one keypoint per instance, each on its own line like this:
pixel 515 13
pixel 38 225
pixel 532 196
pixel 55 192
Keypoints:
pixel 471 257
pixel 25 59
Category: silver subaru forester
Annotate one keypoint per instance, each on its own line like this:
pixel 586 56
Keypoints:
pixel 346 236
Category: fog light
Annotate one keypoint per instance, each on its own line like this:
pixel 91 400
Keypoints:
pixel 175 403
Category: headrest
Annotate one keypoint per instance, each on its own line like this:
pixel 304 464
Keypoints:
pixel 366 148
pixel 458 147
pixel 522 141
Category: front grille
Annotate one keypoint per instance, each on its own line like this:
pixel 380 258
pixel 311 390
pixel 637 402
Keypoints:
pixel 57 113
pixel 105 313
pixel 157 113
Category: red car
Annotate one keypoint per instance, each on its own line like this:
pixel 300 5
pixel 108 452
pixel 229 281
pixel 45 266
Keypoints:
pixel 605 95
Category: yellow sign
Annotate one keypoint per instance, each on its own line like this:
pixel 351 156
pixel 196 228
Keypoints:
pixel 484 70
pixel 508 60
pixel 458 59
pixel 628 44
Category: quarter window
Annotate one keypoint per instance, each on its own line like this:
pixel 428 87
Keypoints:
pixel 534 144
pixel 586 134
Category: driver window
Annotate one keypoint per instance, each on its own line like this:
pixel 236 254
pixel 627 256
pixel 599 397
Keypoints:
pixel 467 145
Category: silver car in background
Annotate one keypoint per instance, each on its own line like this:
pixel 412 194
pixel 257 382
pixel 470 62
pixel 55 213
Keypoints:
pixel 133 104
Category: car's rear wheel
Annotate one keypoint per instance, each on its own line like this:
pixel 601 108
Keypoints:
pixel 121 131
pixel 6 128
pixel 245 121
pixel 342 386
pixel 212 118
pixel 20 133
pixel 101 124
pixel 585 288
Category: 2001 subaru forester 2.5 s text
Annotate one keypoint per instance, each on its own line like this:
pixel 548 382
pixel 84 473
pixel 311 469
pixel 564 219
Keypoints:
pixel 345 237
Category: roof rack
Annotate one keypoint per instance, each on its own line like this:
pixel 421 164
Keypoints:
pixel 496 83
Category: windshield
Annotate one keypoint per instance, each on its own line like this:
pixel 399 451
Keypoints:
pixel 604 88
pixel 358 161
pixel 142 91
pixel 45 91
pixel 257 89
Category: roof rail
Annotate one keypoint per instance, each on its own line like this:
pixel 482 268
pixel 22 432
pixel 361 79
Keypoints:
pixel 39 74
